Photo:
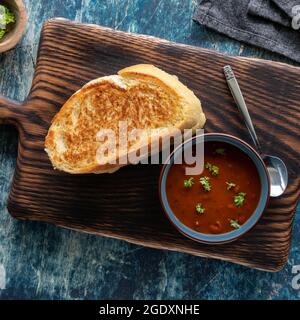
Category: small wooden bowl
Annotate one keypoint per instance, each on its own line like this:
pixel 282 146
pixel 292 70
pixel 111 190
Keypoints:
pixel 15 30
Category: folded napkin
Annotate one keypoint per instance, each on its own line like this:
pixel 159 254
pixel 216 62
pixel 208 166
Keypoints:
pixel 230 17
pixel 267 9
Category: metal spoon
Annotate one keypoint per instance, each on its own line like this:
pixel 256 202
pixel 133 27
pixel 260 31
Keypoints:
pixel 277 170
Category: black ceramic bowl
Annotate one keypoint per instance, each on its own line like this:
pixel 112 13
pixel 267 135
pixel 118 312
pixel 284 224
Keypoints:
pixel 250 223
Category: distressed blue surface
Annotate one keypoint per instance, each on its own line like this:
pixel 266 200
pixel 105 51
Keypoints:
pixel 45 262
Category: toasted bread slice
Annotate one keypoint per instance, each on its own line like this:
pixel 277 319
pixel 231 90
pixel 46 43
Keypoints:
pixel 143 95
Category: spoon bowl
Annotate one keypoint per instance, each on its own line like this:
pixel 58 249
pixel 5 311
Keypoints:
pixel 278 175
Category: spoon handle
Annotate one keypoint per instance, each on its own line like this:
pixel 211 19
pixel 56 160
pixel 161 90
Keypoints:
pixel 240 102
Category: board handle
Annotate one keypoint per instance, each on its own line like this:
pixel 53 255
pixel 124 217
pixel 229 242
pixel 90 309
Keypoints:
pixel 9 111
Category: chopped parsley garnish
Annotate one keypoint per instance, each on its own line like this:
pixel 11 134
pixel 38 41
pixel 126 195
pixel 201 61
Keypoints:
pixel 220 151
pixel 199 208
pixel 239 199
pixel 230 185
pixel 213 169
pixel 6 17
pixel 234 224
pixel 205 183
pixel 189 182
pixel 208 166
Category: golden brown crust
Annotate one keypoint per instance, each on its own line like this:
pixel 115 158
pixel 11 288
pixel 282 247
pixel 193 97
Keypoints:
pixel 143 95
pixel 194 118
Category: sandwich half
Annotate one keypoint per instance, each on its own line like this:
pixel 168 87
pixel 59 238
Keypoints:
pixel 143 97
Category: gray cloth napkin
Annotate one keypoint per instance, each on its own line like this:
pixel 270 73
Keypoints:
pixel 287 6
pixel 230 17
pixel 269 10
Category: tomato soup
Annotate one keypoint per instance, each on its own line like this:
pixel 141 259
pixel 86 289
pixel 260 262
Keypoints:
pixel 222 197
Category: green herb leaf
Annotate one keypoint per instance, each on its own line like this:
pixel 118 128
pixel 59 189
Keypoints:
pixel 189 182
pixel 6 17
pixel 205 183
pixel 9 16
pixel 208 166
pixel 230 185
pixel 212 168
pixel 220 151
pixel 239 199
pixel 199 208
pixel 234 224
pixel 2 33
pixel 215 170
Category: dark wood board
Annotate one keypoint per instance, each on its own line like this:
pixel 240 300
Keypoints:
pixel 125 205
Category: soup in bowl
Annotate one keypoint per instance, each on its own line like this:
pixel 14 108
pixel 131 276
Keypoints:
pixel 225 200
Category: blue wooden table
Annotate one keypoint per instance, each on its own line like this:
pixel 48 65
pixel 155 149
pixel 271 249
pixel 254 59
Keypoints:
pixel 45 262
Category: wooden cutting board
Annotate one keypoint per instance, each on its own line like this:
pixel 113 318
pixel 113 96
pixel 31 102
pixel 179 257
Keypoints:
pixel 125 205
